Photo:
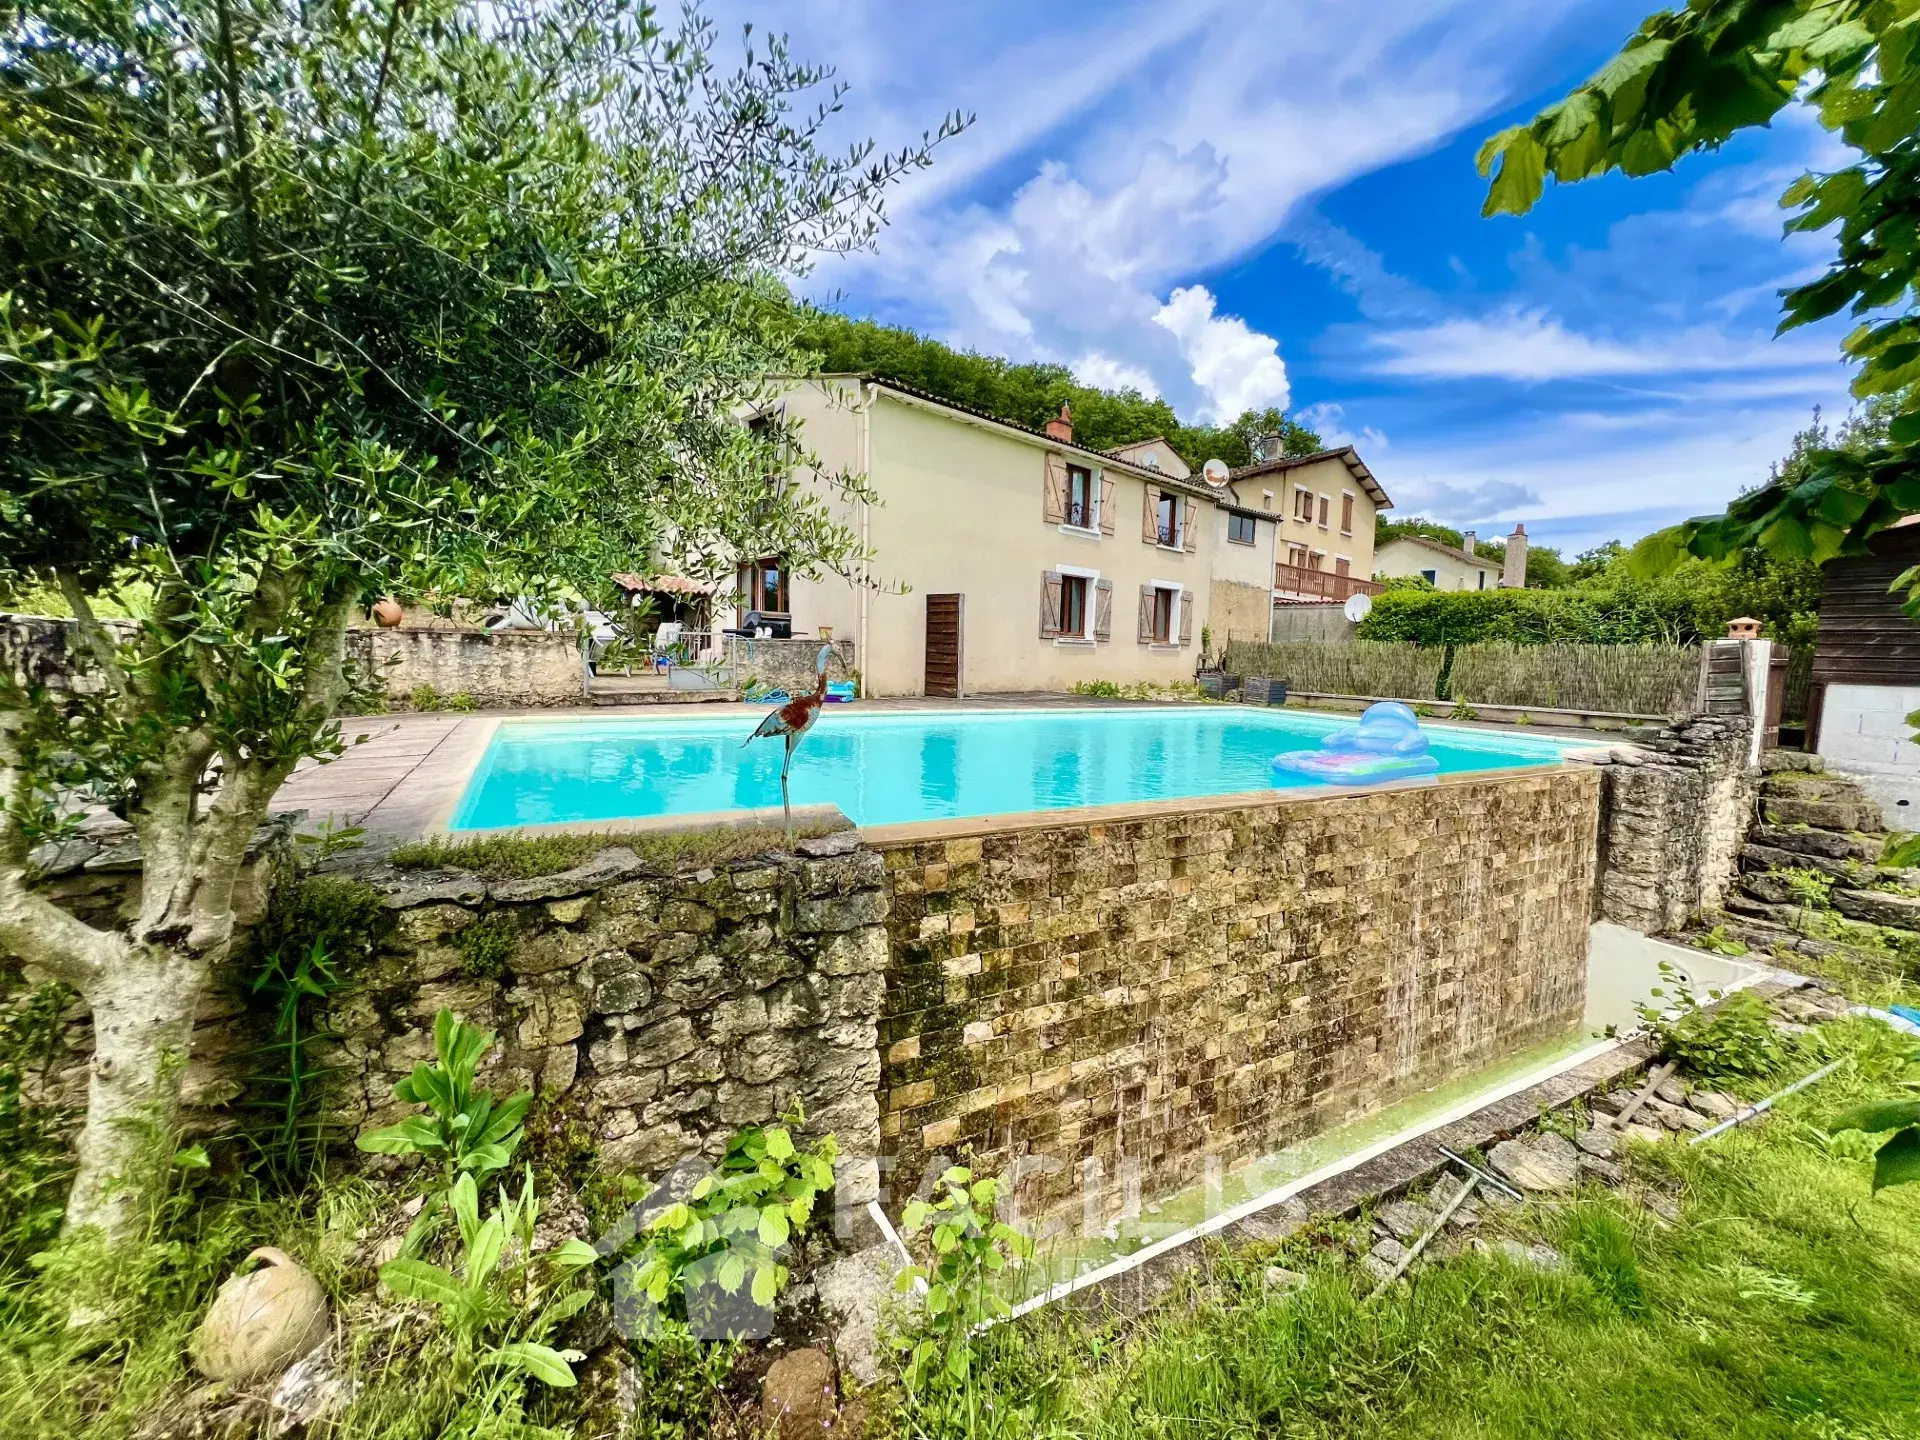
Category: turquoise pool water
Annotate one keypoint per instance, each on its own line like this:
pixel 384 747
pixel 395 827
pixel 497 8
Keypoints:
pixel 883 768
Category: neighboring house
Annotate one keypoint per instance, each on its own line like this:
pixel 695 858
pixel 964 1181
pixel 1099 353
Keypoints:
pixel 1321 508
pixel 1003 558
pixel 1448 568
pixel 1246 539
pixel 1866 674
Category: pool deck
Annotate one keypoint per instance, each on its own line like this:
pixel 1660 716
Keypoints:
pixel 402 775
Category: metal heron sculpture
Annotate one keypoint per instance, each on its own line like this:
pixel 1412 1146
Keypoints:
pixel 791 721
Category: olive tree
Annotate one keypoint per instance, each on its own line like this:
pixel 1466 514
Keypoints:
pixel 303 302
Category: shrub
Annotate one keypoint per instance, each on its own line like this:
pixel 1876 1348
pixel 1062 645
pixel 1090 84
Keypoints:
pixel 966 1249
pixel 1733 1041
pixel 426 697
pixel 488 944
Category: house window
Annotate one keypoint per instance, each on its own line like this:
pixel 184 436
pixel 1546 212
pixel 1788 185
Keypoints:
pixel 1431 577
pixel 1346 514
pixel 1239 528
pixel 1297 556
pixel 1168 520
pixel 1073 606
pixel 1343 566
pixel 1325 503
pixel 1317 560
pixel 1266 499
pixel 763 585
pixel 1303 505
pixel 1483 579
pixel 1082 499
pixel 1163 603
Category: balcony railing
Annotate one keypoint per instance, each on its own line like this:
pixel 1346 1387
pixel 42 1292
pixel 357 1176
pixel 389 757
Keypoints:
pixel 1320 584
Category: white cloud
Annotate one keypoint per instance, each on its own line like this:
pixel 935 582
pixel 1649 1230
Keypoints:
pixel 1107 373
pixel 1329 420
pixel 1237 368
pixel 1532 346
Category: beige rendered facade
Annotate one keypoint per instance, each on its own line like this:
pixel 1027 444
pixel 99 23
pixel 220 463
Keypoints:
pixel 1323 507
pixel 1443 565
pixel 1069 564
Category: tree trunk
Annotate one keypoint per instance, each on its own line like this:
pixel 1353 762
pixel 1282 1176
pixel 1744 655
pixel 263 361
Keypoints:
pixel 143 1009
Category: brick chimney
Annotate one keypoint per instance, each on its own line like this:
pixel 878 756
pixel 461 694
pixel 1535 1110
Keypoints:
pixel 1061 426
pixel 1467 540
pixel 1513 574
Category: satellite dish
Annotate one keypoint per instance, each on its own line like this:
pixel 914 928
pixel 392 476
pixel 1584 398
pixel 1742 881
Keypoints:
pixel 1358 607
pixel 1216 472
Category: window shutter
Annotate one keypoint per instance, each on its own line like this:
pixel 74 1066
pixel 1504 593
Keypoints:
pixel 1146 614
pixel 1050 605
pixel 1189 532
pixel 1325 505
pixel 1150 515
pixel 1346 514
pixel 1185 602
pixel 1106 504
pixel 1343 567
pixel 1056 492
pixel 1103 610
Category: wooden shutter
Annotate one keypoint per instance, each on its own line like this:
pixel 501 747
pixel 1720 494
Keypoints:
pixel 1103 610
pixel 1146 614
pixel 1185 602
pixel 1050 602
pixel 1343 567
pixel 1346 514
pixel 1189 531
pixel 1150 515
pixel 1106 505
pixel 1056 490
pixel 1326 504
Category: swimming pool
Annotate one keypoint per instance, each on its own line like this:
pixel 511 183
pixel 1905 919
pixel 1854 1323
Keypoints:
pixel 883 768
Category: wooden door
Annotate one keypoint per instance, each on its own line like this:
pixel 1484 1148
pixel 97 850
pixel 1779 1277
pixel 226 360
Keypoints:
pixel 946 626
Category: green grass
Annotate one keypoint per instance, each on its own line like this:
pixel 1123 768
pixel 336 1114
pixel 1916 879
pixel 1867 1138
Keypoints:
pixel 1785 1304
pixel 517 857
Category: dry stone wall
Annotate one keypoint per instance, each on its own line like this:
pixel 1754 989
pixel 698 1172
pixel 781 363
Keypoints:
pixel 668 1009
pixel 1678 802
pixel 507 669
pixel 1112 1009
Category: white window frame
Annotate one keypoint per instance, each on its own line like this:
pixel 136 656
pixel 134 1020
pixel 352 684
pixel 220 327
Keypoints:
pixel 1084 532
pixel 1172 642
pixel 1266 497
pixel 1179 544
pixel 1298 491
pixel 1084 640
pixel 1231 517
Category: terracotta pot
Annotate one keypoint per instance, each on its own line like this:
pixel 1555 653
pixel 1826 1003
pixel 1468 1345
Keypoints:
pixel 261 1322
pixel 387 613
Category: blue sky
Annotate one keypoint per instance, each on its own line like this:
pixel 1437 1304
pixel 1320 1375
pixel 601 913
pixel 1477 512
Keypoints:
pixel 1238 204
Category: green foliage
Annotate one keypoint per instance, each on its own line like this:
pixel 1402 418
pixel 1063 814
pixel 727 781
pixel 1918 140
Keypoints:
pixel 1897 1162
pixel 966 1248
pixel 734 1223
pixel 315 933
pixel 1687 81
pixel 1104 689
pixel 502 1301
pixel 1144 690
pixel 1732 1041
pixel 34 1161
pixel 517 857
pixel 1031 394
pixel 426 697
pixel 463 1131
pixel 488 944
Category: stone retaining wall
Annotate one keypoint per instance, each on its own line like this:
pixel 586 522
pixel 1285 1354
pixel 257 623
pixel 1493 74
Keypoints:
pixel 500 670
pixel 1677 807
pixel 1114 1008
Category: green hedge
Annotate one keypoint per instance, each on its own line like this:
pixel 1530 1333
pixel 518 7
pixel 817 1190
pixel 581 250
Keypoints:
pixel 1528 617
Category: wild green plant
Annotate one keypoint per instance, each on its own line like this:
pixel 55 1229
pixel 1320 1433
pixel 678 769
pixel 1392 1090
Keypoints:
pixel 503 1301
pixel 426 697
pixel 1897 1161
pixel 463 1131
pixel 966 1247
pixel 1105 689
pixel 1812 888
pixel 34 1160
pixel 290 1140
pixel 1733 1041
pixel 1717 942
pixel 488 944
pixel 736 1219
pixel 329 840
pixel 462 702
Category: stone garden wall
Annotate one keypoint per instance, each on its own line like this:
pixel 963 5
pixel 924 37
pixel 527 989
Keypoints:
pixel 1119 1007
pixel 1678 802
pixel 508 669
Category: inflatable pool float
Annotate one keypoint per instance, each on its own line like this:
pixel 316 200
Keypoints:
pixel 841 692
pixel 1387 744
